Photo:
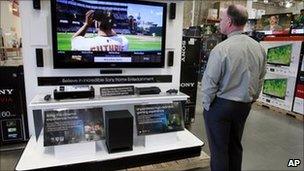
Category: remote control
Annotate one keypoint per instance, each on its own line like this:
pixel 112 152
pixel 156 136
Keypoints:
pixel 47 97
pixel 172 91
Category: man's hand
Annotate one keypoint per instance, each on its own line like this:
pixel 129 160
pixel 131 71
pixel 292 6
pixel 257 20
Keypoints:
pixel 89 18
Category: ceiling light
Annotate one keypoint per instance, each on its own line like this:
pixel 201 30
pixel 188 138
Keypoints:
pixel 288 4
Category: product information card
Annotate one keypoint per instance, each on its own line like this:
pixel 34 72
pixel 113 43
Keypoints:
pixel 159 118
pixel 69 126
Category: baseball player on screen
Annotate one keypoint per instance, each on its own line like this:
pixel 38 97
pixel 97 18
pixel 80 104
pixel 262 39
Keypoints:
pixel 106 40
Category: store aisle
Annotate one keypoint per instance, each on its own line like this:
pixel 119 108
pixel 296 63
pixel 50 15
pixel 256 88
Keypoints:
pixel 269 141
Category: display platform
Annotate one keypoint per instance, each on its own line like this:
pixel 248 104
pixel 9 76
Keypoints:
pixel 186 145
pixel 38 101
pixel 92 155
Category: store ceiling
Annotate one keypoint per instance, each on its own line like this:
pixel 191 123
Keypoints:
pixel 279 3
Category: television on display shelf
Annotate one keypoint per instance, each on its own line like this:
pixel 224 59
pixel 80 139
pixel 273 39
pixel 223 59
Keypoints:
pixel 272 24
pixel 275 87
pixel 279 55
pixel 298 23
pixel 108 33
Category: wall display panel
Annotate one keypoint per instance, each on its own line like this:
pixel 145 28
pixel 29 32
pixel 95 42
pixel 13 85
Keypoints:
pixel 68 126
pixel 93 34
pixel 283 57
pixel 278 90
pixel 159 118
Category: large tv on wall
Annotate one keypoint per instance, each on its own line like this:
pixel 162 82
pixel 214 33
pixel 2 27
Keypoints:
pixel 275 23
pixel 108 33
pixel 275 87
pixel 279 55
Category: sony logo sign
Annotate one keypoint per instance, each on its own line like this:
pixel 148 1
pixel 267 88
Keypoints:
pixel 183 51
pixel 187 85
pixel 6 91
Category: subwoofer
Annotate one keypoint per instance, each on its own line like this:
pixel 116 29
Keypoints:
pixel 119 131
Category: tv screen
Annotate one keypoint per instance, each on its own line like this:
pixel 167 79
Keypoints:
pixel 275 23
pixel 275 87
pixel 298 24
pixel 280 55
pixel 104 34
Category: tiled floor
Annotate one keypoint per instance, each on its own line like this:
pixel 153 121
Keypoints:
pixel 269 141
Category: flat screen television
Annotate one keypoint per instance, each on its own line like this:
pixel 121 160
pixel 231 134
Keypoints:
pixel 275 87
pixel 298 24
pixel 279 55
pixel 108 33
pixel 275 23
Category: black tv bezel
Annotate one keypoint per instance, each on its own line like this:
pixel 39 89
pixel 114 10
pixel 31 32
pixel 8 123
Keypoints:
pixel 64 65
pixel 289 32
pixel 271 95
pixel 279 64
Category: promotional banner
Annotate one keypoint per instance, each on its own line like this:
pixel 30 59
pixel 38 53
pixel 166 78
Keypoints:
pixel 128 79
pixel 158 118
pixel 68 126
pixel 13 116
pixel 189 74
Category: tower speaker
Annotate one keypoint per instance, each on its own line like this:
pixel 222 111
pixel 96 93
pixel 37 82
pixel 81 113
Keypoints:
pixel 119 131
pixel 39 57
pixel 170 58
pixel 36 4
pixel 172 11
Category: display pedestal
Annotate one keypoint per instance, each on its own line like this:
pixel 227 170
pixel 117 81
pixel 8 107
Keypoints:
pixel 147 149
pixel 74 150
pixel 161 140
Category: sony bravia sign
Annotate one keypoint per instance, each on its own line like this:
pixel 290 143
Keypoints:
pixel 6 91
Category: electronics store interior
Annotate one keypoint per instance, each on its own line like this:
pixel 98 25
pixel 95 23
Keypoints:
pixel 193 85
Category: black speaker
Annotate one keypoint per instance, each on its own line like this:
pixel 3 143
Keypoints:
pixel 170 58
pixel 39 57
pixel 172 11
pixel 119 131
pixel 36 4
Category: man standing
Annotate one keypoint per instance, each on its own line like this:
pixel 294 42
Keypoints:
pixel 231 82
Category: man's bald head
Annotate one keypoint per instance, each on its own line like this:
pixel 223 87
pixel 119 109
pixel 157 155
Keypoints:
pixel 238 15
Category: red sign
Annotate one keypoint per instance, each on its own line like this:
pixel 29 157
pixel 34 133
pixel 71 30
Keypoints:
pixel 300 91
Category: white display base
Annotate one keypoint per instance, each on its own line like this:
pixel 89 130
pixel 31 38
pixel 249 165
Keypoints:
pixel 38 101
pixel 161 140
pixel 35 156
pixel 79 149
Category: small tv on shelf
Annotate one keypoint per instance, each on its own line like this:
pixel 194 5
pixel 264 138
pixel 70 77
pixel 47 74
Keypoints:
pixel 275 87
pixel 108 33
pixel 279 55
pixel 273 24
